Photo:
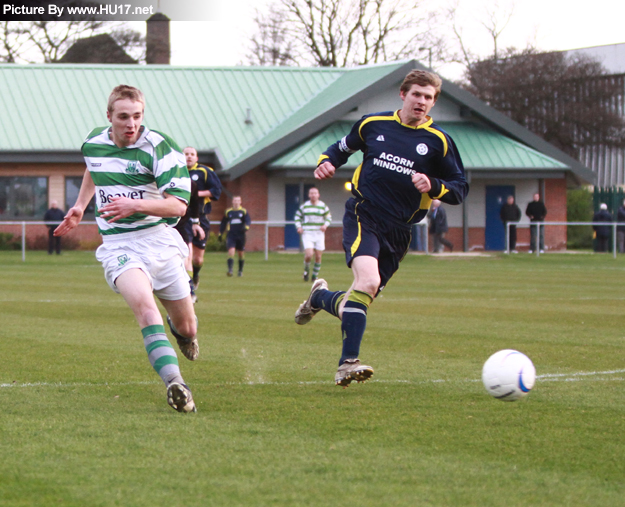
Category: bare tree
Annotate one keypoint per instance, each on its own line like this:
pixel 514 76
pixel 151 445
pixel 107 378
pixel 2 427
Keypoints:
pixel 493 19
pixel 271 45
pixel 46 41
pixel 570 102
pixel 342 33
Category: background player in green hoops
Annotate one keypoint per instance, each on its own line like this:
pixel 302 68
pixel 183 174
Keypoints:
pixel 408 161
pixel 237 222
pixel 311 220
pixel 142 186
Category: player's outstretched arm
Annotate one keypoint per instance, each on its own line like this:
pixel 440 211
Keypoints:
pixel 71 220
pixel 324 171
pixel 74 214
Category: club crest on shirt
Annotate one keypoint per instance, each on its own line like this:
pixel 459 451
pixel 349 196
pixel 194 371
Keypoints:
pixel 133 167
pixel 422 148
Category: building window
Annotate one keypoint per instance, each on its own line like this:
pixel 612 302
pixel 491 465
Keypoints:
pixel 23 198
pixel 72 188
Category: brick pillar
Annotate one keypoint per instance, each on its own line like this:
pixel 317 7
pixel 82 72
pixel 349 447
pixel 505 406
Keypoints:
pixel 555 201
pixel 253 187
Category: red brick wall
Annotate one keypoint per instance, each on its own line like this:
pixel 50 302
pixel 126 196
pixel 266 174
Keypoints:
pixel 555 201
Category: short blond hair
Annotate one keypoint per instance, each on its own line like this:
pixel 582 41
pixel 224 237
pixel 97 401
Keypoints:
pixel 122 92
pixel 422 78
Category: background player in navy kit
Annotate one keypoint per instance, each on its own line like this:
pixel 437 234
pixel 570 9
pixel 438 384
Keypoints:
pixel 236 221
pixel 209 189
pixel 408 161
pixel 189 226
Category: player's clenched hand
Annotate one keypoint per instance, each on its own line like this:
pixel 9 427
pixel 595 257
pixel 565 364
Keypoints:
pixel 324 171
pixel 118 208
pixel 71 220
pixel 198 231
pixel 421 183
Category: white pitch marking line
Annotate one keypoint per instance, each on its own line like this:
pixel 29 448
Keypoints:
pixel 548 377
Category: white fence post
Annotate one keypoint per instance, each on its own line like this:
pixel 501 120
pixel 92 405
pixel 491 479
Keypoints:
pixel 23 241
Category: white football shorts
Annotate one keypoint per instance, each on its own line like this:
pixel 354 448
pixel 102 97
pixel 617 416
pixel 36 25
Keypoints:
pixel 314 239
pixel 157 251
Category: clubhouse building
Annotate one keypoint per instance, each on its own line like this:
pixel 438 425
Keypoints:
pixel 262 129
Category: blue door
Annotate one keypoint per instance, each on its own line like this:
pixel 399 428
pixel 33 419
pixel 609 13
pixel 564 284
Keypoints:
pixel 293 200
pixel 495 232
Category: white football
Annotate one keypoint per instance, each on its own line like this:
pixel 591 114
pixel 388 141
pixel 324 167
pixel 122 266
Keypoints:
pixel 508 375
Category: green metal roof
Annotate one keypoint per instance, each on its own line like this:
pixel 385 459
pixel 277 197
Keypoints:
pixel 479 147
pixel 484 148
pixel 348 83
pixel 247 116
pixel 53 107
pixel 306 155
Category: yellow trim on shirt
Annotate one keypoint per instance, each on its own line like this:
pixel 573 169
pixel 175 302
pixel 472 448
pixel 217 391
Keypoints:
pixel 356 243
pixel 443 191
pixel 440 135
pixel 374 118
pixel 355 178
pixel 322 157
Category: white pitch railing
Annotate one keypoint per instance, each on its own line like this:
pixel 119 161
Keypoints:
pixel 266 224
pixel 23 228
pixel 540 225
pixel 281 223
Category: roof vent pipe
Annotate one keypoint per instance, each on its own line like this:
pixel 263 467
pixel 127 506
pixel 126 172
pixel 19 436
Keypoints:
pixel 248 116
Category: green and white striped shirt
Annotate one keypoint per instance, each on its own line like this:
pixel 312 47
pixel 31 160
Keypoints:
pixel 144 170
pixel 310 217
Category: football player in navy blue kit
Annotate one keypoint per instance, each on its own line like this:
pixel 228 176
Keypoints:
pixel 408 161
pixel 209 189
pixel 237 222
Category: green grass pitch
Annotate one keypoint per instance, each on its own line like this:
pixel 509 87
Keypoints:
pixel 84 420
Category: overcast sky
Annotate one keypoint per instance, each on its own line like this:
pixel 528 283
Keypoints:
pixel 547 24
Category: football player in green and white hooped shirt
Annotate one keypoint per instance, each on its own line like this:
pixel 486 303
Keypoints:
pixel 311 221
pixel 141 186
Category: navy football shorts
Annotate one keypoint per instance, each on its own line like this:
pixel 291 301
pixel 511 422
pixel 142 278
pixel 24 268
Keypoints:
pixel 236 241
pixel 187 232
pixel 366 232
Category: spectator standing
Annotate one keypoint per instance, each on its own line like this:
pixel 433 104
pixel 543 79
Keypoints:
pixel 602 232
pixel 620 229
pixel 510 213
pixel 54 216
pixel 438 227
pixel 536 211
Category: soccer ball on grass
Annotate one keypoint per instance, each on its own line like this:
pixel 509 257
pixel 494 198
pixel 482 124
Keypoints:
pixel 508 375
